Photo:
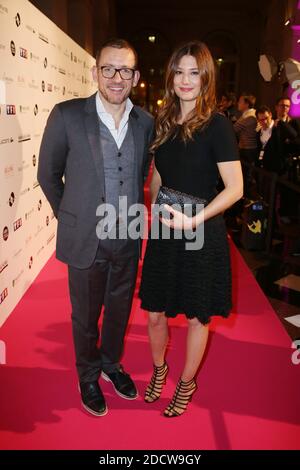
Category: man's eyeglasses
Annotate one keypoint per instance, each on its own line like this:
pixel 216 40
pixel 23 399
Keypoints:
pixel 109 72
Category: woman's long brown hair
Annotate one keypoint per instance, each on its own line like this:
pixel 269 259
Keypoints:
pixel 206 102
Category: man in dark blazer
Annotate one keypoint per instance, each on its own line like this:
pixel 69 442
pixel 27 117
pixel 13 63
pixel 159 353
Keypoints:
pixel 276 140
pixel 94 151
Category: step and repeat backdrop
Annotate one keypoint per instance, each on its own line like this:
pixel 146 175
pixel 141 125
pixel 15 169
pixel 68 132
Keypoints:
pixel 39 67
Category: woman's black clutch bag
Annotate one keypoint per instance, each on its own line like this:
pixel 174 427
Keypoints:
pixel 171 196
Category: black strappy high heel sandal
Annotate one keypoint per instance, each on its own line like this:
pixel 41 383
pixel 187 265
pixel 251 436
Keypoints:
pixel 182 396
pixel 158 379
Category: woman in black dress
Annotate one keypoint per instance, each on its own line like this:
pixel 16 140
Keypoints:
pixel 194 144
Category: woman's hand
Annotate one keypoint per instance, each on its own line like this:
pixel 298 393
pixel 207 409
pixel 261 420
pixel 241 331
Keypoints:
pixel 177 220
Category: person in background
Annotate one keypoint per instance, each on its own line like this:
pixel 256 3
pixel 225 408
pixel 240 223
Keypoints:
pixel 245 130
pixel 288 130
pixel 228 107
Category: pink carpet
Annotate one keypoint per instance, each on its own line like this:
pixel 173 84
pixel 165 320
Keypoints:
pixel 248 394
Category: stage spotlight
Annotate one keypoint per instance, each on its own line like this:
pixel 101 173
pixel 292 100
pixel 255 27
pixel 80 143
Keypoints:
pixel 292 70
pixel 267 67
pixel 288 69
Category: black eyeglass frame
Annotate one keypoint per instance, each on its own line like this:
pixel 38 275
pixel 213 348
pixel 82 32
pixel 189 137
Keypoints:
pixel 117 70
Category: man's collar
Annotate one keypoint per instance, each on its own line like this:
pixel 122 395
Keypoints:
pixel 101 109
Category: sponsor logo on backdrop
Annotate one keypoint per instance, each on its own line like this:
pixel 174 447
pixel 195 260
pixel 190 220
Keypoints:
pixel 21 80
pixel 7 79
pixel 40 250
pixel 34 57
pixel 39 205
pixel 8 140
pixel 62 71
pixel 24 191
pixel 18 19
pixel 3 295
pixel 43 86
pixel 30 262
pixel 16 280
pixel 3 9
pixel 35 109
pixel 23 53
pixel 43 38
pixel 29 213
pixel 30 28
pixel 24 166
pixel 24 138
pixel 10 109
pixel 35 184
pixel 17 224
pixel 50 238
pixel 76 94
pixel 3 266
pixel 47 220
pixel 24 109
pixel 66 53
pixel 33 84
pixel 12 48
pixel 45 62
pixel 18 252
pixel 11 199
pixel 38 230
pixel 5 233
pixel 64 90
pixel 9 171
pixel 33 160
pixel 49 87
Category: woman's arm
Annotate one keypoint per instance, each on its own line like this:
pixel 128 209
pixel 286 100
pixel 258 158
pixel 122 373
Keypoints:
pixel 232 177
pixel 154 184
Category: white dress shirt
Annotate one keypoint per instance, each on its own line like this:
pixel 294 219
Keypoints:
pixel 265 134
pixel 107 119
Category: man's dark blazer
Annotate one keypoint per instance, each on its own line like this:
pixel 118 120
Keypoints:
pixel 71 173
pixel 284 141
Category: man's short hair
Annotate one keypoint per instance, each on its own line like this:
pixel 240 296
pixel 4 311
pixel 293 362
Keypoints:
pixel 118 43
pixel 281 98
pixel 250 99
pixel 230 96
pixel 263 109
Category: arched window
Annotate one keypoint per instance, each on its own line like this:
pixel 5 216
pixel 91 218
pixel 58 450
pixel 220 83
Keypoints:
pixel 224 49
pixel 153 51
